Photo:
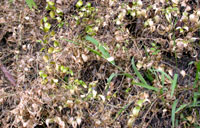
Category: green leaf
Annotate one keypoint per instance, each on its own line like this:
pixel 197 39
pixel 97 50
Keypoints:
pixel 145 86
pixel 64 69
pixel 58 11
pixel 174 84
pixel 71 41
pixel 140 102
pixel 149 75
pixel 47 26
pixel 167 76
pixel 56 43
pixel 31 4
pixel 173 112
pixel 51 3
pixel 144 83
pixel 52 14
pixel 51 50
pixel 197 74
pixel 136 111
pixel 162 79
pixel 95 52
pixel 79 3
pixel 181 107
pixel 196 95
pixel 120 111
pixel 114 75
pixel 42 74
pixel 59 19
pixel 137 72
pixel 111 77
pixel 104 52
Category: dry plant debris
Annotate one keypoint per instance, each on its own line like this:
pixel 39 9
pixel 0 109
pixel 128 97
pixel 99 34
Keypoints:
pixel 100 63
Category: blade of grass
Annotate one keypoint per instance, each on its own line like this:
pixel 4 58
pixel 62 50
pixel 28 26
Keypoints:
pixel 94 51
pixel 111 77
pixel 114 75
pixel 137 72
pixel 195 105
pixel 197 74
pixel 174 84
pixel 196 95
pixel 71 41
pixel 144 83
pixel 181 107
pixel 104 52
pixel 145 86
pixel 162 79
pixel 121 110
pixel 167 76
pixel 173 112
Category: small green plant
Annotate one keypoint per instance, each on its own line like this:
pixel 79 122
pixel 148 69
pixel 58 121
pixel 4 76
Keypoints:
pixel 87 17
pixel 143 81
pixel 168 12
pixel 154 49
pixel 31 4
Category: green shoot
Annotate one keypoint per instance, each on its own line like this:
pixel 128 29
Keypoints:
pixel 144 83
pixel 181 107
pixel 173 112
pixel 174 84
pixel 196 95
pixel 105 53
pixel 137 72
pixel 31 4
pixel 197 74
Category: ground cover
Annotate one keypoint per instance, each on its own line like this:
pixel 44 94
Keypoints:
pixel 90 63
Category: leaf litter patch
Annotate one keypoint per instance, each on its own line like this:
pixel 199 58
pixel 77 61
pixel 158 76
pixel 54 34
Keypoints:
pixel 185 63
pixel 92 71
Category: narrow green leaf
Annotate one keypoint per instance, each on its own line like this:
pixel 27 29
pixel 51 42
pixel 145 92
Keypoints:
pixel 195 105
pixel 167 76
pixel 128 75
pixel 197 74
pixel 94 51
pixel 146 86
pixel 111 77
pixel 104 52
pixel 173 112
pixel 137 72
pixel 196 95
pixel 181 107
pixel 163 79
pixel 114 75
pixel 71 41
pixel 120 111
pixel 98 45
pixel 174 84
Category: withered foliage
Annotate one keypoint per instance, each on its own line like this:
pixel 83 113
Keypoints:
pixel 158 34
